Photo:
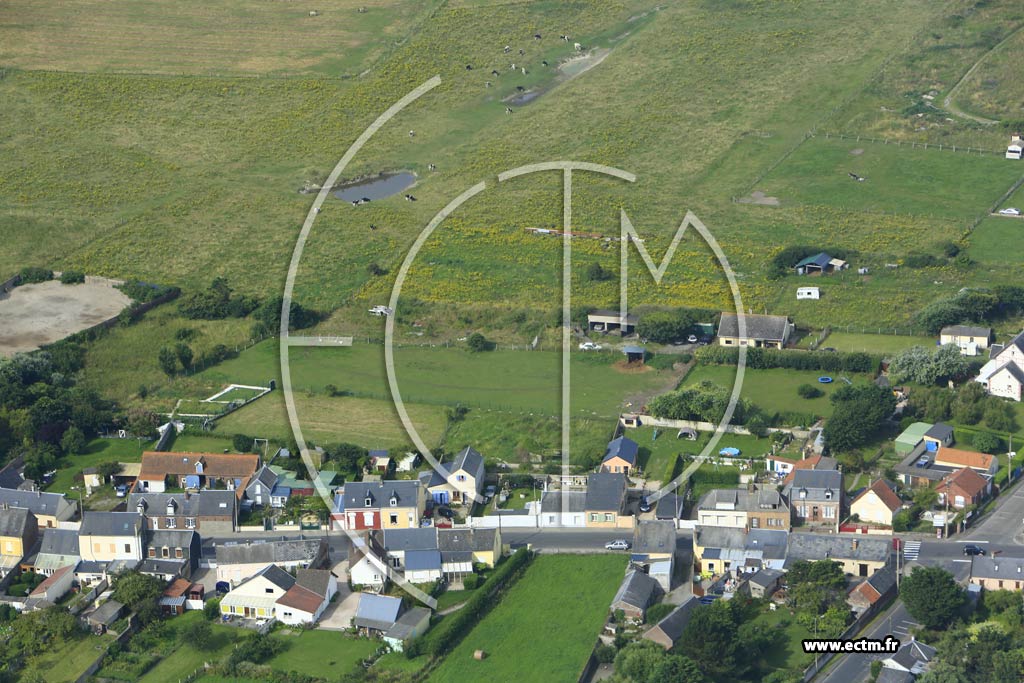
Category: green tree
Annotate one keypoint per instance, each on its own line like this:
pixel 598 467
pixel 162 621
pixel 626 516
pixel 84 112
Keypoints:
pixel 969 403
pixel 199 634
pixel 168 361
pixel 108 469
pixel 860 410
pixel 932 596
pixel 183 352
pixel 999 416
pixel 141 423
pixel 242 443
pixel 478 342
pixel 598 273
pixel 73 441
pixel 664 327
pixel 710 640
pixel 986 442
pixel 40 458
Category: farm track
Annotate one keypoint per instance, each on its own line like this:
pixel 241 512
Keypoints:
pixel 949 102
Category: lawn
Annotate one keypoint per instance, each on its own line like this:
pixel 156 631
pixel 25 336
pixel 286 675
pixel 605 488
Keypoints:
pixel 558 641
pixel 323 654
pixel 898 179
pixel 97 451
pixel 67 662
pixel 997 243
pixel 506 380
pixel 657 453
pixel 874 343
pixel 774 391
pixel 371 423
pixel 789 653
pixel 450 598
pixel 186 658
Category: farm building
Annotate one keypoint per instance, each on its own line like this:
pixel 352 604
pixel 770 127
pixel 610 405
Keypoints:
pixel 636 593
pixel 819 264
pixel 604 320
pixel 808 293
pixel 911 436
pixel 762 331
pixel 1015 150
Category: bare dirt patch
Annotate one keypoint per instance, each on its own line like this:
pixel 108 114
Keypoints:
pixel 38 314
pixel 634 368
pixel 857 152
pixel 758 197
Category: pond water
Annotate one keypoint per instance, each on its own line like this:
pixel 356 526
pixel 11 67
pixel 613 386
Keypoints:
pixel 378 187
pixel 525 97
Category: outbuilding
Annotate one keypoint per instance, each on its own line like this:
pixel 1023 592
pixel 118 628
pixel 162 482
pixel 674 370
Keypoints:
pixel 808 293
pixel 634 354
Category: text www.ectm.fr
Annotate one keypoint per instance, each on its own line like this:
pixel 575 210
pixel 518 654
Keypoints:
pixel 826 645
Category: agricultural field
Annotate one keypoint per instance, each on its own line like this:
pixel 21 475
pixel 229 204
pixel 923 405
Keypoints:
pixel 996 243
pixel 775 390
pixel 558 645
pixel 875 343
pixel 993 89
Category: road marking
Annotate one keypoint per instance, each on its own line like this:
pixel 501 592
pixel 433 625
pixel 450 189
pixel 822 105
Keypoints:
pixel 911 550
pixel 961 560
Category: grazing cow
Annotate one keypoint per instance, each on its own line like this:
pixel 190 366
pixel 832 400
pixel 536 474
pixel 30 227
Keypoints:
pixel 431 167
pixel 508 110
pixel 356 202
pixel 487 84
pixel 544 62
pixel 317 209
pixel 494 72
pixel 520 88
pixel 565 38
pixel 409 198
pixel 372 226
pixel 577 47
pixel 508 48
pixel 412 133
pixel 524 71
pixel 536 36
pixel 512 66
pixel 469 67
pixel 365 200
pixel 522 52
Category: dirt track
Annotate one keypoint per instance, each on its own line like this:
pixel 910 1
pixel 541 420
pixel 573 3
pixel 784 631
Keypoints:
pixel 38 314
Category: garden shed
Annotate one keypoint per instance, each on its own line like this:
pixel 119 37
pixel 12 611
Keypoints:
pixel 634 353
pixel 911 436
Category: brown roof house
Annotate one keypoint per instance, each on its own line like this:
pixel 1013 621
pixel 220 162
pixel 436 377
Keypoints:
pixel 876 504
pixel 194 471
pixel 963 487
pixel 880 586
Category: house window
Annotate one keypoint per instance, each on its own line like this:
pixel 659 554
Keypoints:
pixel 395 562
pixel 178 553
pixel 268 590
pixel 755 522
pixel 394 501
pixel 594 517
pixel 728 342
pixel 460 477
pixel 368 501
pixel 368 518
pixel 127 547
pixel 172 523
pixel 394 519
pixel 190 522
pixel 609 517
pixel 1000 583
pixel 152 552
pixel 165 552
pixel 829 512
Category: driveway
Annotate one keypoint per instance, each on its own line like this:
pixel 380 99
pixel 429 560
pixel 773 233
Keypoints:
pixel 339 614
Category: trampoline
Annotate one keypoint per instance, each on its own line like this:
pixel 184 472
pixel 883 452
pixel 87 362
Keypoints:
pixel 825 380
pixel 730 451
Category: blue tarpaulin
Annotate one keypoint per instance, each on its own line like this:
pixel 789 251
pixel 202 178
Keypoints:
pixel 191 481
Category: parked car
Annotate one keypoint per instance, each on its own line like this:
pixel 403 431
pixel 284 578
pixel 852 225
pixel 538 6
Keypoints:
pixel 708 599
pixel 692 339
pixel 645 505
pixel 1010 211
pixel 590 346
pixel 490 491
pixel 923 462
pixel 121 490
pixel 972 549
pixel 619 544
pixel 445 511
pixel 223 587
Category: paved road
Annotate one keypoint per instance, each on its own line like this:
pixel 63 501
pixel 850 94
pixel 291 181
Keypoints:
pixel 1005 524
pixel 856 667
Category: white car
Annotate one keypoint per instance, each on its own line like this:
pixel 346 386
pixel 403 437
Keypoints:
pixel 620 544
pixel 1010 211
pixel 590 346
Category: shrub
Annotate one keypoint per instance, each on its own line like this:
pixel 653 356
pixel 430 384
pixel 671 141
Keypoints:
pixel 809 391
pixel 664 327
pixel 242 443
pixel 766 359
pixel 32 274
pixel 471 582
pixel 144 292
pixel 987 442
pixel 605 654
pixel 72 277
pixel 478 342
pixel 597 273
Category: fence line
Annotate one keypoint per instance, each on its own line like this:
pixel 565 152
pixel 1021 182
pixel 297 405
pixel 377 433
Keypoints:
pixel 913 144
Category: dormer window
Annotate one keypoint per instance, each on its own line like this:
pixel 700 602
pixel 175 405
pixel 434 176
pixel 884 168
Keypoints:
pixel 828 494
pixel 394 501
pixel 170 506
pixel 368 501
pixel 199 468
pixel 803 493
pixel 141 507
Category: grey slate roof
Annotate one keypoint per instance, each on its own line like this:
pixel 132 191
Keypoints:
pixel 940 431
pixel 966 331
pixel 38 502
pixel 654 536
pixel 11 474
pixel 462 540
pixel 770 327
pixel 605 491
pixel 274 575
pixel 111 524
pixel 742 499
pixel 403 628
pixel 107 613
pixel 997 568
pixel 551 501
pixel 158 538
pixel 819 485
pixel 468 460
pixel 380 493
pixel 675 622
pixel 770 542
pixel 913 655
pixel 422 560
pixel 766 577
pixel 409 539
pixel 316 580
pixel 162 567
pixel 209 503
pixel 883 580
pixel 887 675
pixel 270 552
pixel 378 612
pixel 622 447
pixel 804 546
pixel 266 476
pixel 15 522
pixel 637 590
pixel 59 542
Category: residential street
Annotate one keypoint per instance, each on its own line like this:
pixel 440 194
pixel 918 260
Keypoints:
pixel 856 668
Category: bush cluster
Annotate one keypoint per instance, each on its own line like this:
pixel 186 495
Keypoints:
pixel 766 359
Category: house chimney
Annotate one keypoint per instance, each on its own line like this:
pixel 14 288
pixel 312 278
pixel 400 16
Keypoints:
pixel 856 542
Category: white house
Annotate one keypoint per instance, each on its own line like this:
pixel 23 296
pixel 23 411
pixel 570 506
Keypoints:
pixel 563 508
pixel 808 293
pixel 257 596
pixel 305 601
pixel 1003 375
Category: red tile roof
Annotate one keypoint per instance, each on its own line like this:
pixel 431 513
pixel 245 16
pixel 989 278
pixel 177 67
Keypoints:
pixel 178 588
pixel 157 465
pixel 805 464
pixel 301 599
pixel 51 579
pixel 967 480
pixel 955 456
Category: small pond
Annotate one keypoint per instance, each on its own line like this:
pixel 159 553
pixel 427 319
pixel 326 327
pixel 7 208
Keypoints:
pixel 378 187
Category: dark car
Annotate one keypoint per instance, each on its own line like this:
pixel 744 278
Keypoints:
pixel 645 505
pixel 223 587
pixel 973 550
pixel 445 511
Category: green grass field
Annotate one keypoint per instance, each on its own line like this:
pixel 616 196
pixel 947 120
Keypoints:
pixel 898 179
pixel 513 437
pixel 775 390
pixel 874 343
pixel 323 654
pixel 996 242
pixel 66 663
pixel 558 644
pixel 788 654
pixel 656 454
pixel 97 451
